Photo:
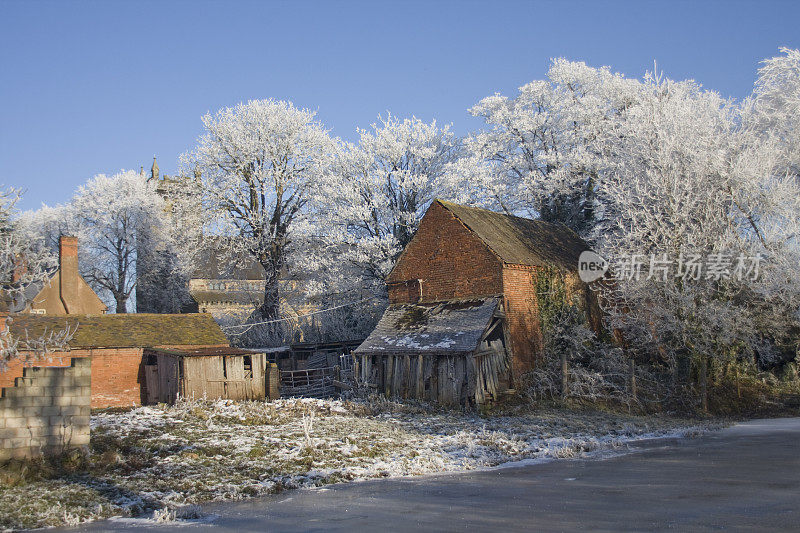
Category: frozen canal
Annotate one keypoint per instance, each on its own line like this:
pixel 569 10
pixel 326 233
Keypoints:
pixel 743 478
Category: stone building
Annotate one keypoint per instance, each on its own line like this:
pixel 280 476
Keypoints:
pixel 228 287
pixel 468 298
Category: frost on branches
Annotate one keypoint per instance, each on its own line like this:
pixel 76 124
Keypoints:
pixel 658 168
pixel 537 159
pixel 22 264
pixel 385 184
pixel 117 216
pixel 262 165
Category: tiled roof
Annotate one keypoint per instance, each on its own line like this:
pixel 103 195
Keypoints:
pixel 124 330
pixel 522 241
pixel 28 293
pixel 449 327
pixel 216 261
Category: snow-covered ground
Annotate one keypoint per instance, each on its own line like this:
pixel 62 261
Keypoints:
pixel 168 458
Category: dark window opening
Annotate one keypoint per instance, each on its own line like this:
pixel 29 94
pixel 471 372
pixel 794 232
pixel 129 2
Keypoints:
pixel 248 367
pixel 224 367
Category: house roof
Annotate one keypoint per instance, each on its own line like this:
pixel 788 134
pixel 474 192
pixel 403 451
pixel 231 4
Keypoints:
pixel 23 298
pixel 439 328
pixel 216 261
pixel 124 330
pixel 522 241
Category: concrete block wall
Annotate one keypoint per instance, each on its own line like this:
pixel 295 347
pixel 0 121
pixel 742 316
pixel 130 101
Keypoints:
pixel 47 411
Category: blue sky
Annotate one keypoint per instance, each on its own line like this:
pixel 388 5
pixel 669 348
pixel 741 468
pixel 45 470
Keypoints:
pixel 94 87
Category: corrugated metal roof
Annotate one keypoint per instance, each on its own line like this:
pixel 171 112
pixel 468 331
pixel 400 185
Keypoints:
pixel 450 327
pixel 522 241
pixel 124 330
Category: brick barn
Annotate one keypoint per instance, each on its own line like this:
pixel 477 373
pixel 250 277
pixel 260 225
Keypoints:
pixel 466 300
pixel 116 345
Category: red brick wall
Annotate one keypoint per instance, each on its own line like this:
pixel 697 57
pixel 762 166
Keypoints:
pixel 117 377
pixel 522 316
pixel 522 312
pixel 449 259
pixel 117 373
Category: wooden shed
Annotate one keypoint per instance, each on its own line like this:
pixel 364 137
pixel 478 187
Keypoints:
pixel 223 372
pixel 451 352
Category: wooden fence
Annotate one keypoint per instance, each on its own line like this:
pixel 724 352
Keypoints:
pixel 310 383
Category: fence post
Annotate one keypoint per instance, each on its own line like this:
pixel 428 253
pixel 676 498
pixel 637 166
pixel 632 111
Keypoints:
pixel 273 382
pixel 564 375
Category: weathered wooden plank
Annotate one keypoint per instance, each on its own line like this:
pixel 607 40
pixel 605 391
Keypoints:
pixel 407 379
pixel 432 377
pixel 151 383
pixel 398 377
pixel 419 388
pixel 441 393
pixel 471 381
pixel 460 371
pixel 387 378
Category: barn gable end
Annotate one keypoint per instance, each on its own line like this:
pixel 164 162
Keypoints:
pixel 444 260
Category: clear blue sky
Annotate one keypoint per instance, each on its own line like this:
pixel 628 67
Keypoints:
pixel 94 87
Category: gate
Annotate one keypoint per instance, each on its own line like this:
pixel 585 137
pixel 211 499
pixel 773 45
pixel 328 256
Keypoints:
pixel 309 383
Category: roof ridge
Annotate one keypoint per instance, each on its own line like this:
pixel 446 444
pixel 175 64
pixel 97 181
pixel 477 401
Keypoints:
pixel 476 208
pixel 518 240
pixel 471 230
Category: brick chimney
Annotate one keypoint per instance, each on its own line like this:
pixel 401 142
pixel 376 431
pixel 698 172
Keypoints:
pixel 68 272
pixel 19 270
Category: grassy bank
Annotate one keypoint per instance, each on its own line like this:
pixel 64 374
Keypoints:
pixel 168 458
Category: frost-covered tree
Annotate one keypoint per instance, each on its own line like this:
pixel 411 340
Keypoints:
pixel 262 165
pixel 773 111
pixel 537 158
pixel 46 224
pixel 22 263
pixel 682 182
pixel 387 182
pixel 170 250
pixel 116 215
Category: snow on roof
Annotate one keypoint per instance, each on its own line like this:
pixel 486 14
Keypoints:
pixel 449 327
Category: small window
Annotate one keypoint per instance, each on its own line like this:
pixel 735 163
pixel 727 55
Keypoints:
pixel 248 367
